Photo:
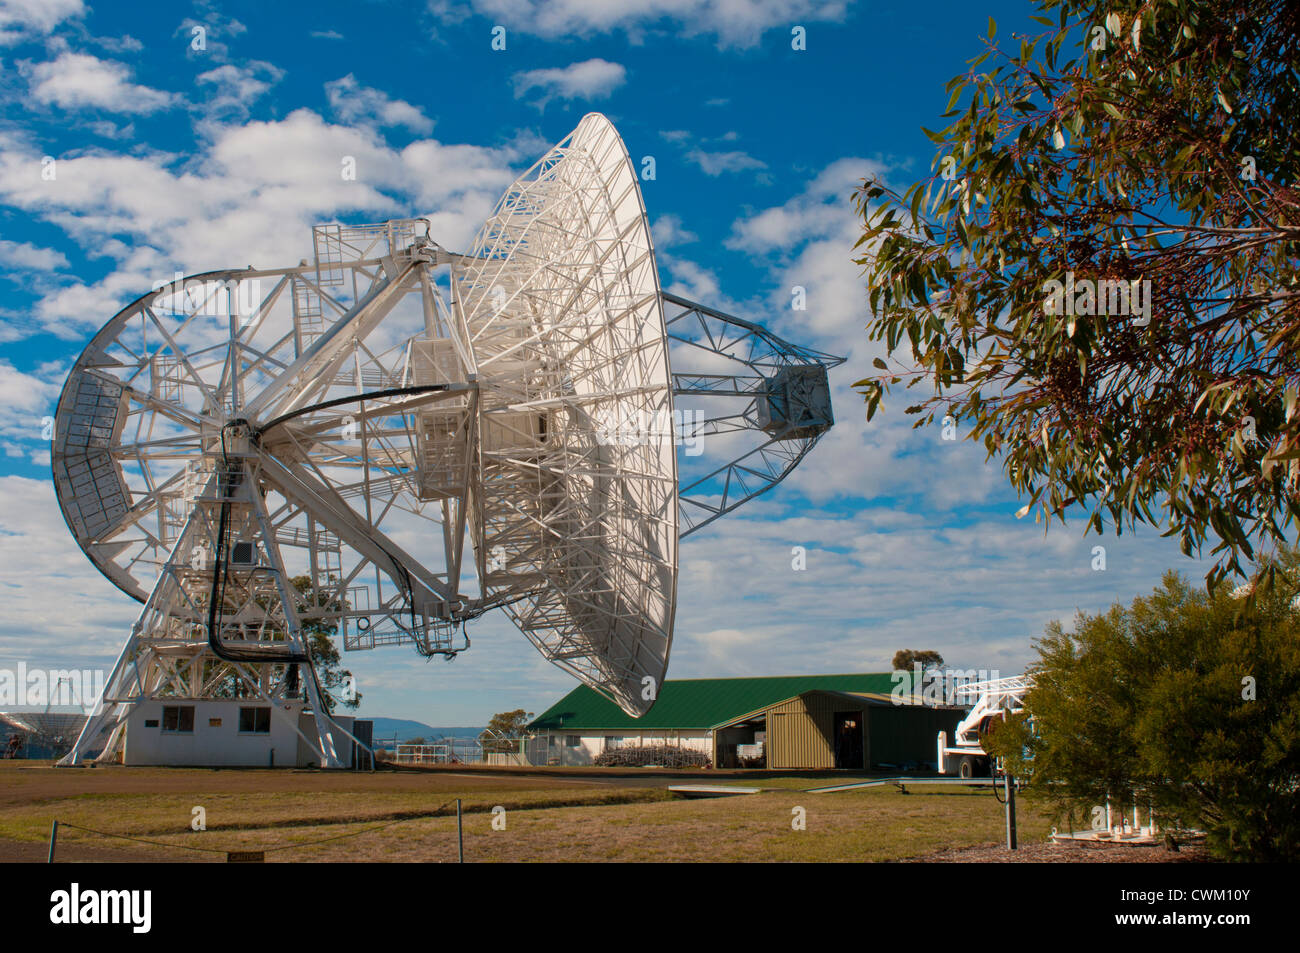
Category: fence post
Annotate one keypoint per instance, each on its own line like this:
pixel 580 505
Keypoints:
pixel 54 837
pixel 1011 810
pixel 460 835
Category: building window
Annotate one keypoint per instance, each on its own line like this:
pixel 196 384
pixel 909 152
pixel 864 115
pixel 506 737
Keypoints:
pixel 255 721
pixel 572 741
pixel 178 718
pixel 612 742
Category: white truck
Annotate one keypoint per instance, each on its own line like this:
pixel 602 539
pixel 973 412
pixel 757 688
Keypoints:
pixel 965 756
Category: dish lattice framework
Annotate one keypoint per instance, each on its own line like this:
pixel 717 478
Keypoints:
pixel 358 418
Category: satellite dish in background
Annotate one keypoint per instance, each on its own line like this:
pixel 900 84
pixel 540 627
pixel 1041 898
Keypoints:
pixel 348 421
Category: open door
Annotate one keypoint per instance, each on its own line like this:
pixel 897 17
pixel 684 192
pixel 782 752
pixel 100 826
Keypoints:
pixel 848 740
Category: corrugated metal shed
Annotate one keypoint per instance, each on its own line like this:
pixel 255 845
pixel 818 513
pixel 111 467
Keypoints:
pixel 801 730
pixel 700 703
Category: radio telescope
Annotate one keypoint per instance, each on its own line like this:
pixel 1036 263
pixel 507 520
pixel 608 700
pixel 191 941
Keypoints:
pixel 258 455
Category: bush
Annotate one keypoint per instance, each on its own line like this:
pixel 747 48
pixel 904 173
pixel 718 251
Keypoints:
pixel 667 756
pixel 1185 702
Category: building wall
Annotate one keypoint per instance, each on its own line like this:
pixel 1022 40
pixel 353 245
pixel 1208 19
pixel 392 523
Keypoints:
pixel 907 734
pixel 211 744
pixel 342 743
pixel 799 732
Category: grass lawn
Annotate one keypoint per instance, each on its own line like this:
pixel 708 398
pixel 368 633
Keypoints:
pixel 547 818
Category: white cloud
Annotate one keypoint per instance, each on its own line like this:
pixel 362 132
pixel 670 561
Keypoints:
pixel 208 32
pixel 878 579
pixel 118 44
pixel 668 230
pixel 60 608
pixel 20 18
pixel 236 88
pixel 820 210
pixel 249 195
pixel 28 256
pixel 590 79
pixel 735 23
pixel 716 163
pixel 807 243
pixel 354 103
pixel 694 282
pixel 25 394
pixel 81 81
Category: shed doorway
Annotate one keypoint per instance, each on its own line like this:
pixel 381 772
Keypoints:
pixel 848 740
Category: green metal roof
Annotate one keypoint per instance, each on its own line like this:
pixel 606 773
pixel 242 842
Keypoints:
pixel 699 703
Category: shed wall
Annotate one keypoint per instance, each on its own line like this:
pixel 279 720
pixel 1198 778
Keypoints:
pixel 799 732
pixel 907 734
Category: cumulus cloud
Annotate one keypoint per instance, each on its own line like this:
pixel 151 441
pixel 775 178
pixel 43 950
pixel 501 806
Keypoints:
pixel 26 394
pixel 248 196
pixel 354 103
pixel 81 81
pixel 89 620
pixel 876 579
pixel 590 79
pixel 735 23
pixel 204 38
pixel 234 89
pixel 715 163
pixel 668 230
pixel 30 257
pixel 821 209
pixel 20 19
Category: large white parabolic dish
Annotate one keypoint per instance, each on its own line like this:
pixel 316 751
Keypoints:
pixel 577 465
pixel 254 452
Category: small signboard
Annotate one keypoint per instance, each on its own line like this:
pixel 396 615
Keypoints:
pixel 245 857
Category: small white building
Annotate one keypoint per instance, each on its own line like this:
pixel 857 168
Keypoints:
pixel 238 732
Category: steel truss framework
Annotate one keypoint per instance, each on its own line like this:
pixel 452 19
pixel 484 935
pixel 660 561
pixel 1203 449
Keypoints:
pixel 355 417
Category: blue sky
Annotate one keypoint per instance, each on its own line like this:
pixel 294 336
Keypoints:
pixel 175 158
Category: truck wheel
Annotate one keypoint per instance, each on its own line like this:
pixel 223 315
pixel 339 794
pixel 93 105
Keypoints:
pixel 966 770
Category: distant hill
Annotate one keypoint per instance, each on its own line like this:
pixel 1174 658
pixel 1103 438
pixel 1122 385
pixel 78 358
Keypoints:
pixel 404 728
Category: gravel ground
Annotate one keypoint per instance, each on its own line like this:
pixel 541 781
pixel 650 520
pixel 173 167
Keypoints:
pixel 1075 853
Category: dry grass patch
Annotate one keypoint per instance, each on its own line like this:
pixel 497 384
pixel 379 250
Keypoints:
pixel 547 819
